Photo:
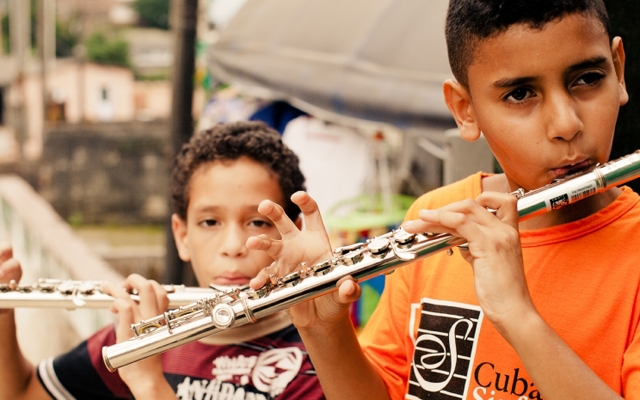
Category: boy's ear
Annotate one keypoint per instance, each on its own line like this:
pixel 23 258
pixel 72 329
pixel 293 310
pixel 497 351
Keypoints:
pixel 458 100
pixel 618 55
pixel 179 228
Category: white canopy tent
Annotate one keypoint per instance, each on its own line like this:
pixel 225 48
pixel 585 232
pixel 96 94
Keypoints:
pixel 374 60
pixel 356 62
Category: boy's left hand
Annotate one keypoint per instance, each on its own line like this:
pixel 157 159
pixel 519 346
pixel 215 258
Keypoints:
pixel 311 246
pixel 494 250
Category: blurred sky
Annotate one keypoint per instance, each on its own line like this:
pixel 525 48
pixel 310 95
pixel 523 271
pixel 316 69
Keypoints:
pixel 221 11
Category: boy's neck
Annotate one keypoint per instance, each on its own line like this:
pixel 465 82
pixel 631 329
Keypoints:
pixel 574 212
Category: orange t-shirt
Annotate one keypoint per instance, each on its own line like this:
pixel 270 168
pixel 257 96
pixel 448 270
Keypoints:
pixel 428 337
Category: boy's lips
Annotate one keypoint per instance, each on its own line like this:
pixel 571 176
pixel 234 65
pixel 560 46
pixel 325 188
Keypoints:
pixel 231 280
pixel 570 168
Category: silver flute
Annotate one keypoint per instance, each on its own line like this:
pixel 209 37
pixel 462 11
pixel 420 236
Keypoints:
pixel 72 294
pixel 380 255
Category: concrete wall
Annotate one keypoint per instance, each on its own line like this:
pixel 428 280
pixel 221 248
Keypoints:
pixel 107 172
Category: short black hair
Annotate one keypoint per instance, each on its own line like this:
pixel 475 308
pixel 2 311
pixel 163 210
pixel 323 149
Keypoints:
pixel 469 21
pixel 231 141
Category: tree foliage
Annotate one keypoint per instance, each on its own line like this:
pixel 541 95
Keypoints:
pixel 103 50
pixel 153 13
pixel 66 39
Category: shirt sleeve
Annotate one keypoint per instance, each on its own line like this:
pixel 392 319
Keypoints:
pixel 81 374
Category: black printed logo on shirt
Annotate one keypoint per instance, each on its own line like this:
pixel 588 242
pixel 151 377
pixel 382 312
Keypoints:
pixel 444 350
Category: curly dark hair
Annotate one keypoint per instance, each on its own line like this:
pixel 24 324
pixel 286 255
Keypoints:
pixel 470 21
pixel 229 142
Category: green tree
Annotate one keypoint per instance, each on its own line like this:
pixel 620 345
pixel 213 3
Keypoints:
pixel 103 50
pixel 66 38
pixel 5 34
pixel 153 13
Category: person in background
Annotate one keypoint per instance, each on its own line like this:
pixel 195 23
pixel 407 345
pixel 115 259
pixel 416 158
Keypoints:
pixel 550 307
pixel 218 181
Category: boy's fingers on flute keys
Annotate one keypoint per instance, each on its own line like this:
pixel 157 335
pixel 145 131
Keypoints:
pixel 152 296
pixel 10 270
pixel 276 213
pixel 310 210
pixel 349 290
pixel 504 204
pixel 262 278
pixel 6 252
pixel 265 243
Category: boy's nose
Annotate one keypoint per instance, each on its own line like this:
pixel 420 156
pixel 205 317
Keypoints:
pixel 564 119
pixel 233 243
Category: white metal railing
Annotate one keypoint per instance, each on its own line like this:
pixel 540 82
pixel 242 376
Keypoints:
pixel 46 247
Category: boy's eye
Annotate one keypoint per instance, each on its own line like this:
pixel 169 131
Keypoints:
pixel 518 95
pixel 589 78
pixel 260 223
pixel 209 222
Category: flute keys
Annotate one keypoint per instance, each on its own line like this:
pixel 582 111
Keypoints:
pixel 322 268
pixel 291 279
pixel 340 251
pixel 223 316
pixel 25 288
pixel 47 287
pixel 353 257
pixel 183 312
pixel 259 293
pixel 403 238
pixel 86 289
pixel 66 288
pixel 378 247
pixel 144 327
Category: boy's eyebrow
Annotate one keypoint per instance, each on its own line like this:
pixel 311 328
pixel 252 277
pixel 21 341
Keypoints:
pixel 511 82
pixel 213 207
pixel 592 62
pixel 523 80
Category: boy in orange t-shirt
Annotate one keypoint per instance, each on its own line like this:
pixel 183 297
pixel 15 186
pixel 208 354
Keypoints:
pixel 543 81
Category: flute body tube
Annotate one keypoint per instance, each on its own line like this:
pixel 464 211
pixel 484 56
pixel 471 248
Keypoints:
pixel 380 255
pixel 71 294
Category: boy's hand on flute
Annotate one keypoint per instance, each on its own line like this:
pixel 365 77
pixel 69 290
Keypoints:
pixel 494 250
pixel 10 269
pixel 310 246
pixel 145 376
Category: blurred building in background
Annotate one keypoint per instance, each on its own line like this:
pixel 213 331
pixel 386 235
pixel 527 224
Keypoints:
pixel 67 65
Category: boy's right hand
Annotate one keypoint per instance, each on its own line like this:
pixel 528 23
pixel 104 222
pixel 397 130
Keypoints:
pixel 310 246
pixel 10 269
pixel 145 376
pixel 494 252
